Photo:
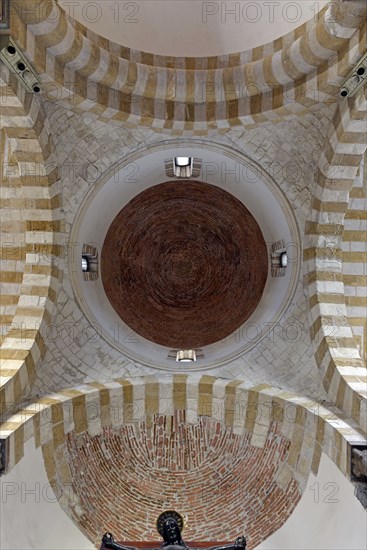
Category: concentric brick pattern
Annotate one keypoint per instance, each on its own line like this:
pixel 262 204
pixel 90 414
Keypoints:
pixel 123 479
pixel 184 264
pixel 263 413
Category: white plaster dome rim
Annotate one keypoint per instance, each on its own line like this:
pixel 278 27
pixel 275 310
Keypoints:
pixel 244 179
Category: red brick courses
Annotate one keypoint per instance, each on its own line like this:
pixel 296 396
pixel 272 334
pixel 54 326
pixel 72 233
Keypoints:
pixel 123 479
pixel 184 264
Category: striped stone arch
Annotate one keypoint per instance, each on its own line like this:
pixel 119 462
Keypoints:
pixel 269 83
pixel 355 258
pixel 343 369
pixel 103 422
pixel 31 244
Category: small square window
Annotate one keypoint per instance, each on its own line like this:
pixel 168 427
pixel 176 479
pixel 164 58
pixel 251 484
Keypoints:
pixel 90 263
pixel 183 161
pixel 182 167
pixel 85 264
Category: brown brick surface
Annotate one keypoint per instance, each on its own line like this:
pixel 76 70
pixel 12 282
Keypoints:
pixel 223 485
pixel 184 264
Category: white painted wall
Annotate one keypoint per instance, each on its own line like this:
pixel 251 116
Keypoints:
pixel 328 516
pixel 192 27
pixel 35 520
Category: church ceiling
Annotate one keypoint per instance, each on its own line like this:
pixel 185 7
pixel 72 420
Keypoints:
pixel 301 388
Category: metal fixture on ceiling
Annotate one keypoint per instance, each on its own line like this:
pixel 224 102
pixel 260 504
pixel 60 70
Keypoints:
pixel 283 260
pixel 90 262
pixel 172 354
pixel 20 67
pixel 85 264
pixel 186 356
pixel 279 259
pixel 183 161
pixel 356 78
pixel 183 167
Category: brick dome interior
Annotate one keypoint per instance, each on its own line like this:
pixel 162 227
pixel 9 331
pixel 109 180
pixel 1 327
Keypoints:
pixel 184 264
pixel 215 478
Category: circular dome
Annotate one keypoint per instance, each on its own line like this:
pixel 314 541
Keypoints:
pixel 184 264
pixel 221 167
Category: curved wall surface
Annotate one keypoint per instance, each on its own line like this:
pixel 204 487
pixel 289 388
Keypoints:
pixel 32 519
pixel 192 27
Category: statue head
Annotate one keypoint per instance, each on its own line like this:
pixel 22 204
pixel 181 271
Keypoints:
pixel 240 543
pixel 170 525
pixel 171 531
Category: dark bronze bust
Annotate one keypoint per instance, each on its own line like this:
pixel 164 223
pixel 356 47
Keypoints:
pixel 169 526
